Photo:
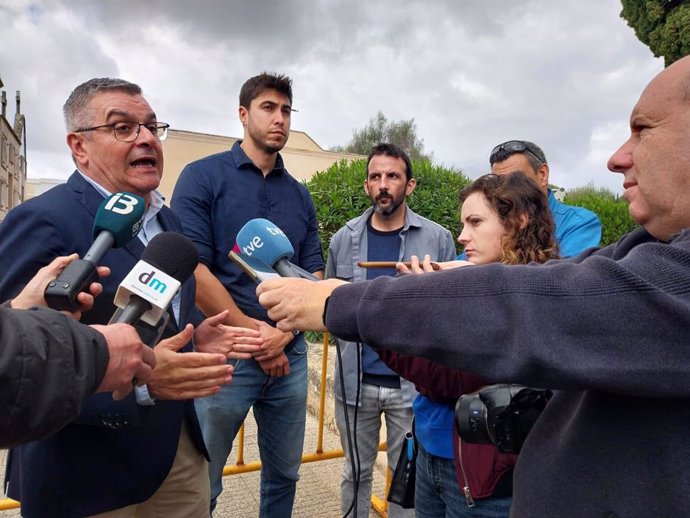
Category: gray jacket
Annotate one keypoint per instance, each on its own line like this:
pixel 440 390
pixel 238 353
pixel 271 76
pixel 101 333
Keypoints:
pixel 348 246
pixel 49 365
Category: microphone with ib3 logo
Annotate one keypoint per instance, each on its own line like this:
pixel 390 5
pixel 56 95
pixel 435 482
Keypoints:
pixel 118 219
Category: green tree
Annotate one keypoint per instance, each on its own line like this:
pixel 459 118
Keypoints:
pixel 611 209
pixel 662 25
pixel 401 133
pixel 338 194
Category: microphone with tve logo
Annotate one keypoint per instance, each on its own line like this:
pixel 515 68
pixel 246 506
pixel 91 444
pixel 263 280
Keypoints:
pixel 256 270
pixel 263 240
pixel 168 260
pixel 118 219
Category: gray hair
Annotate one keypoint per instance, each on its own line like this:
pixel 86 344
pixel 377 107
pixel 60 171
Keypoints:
pixel 536 157
pixel 534 154
pixel 77 111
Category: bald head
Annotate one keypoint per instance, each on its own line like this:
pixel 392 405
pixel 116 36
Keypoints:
pixel 655 160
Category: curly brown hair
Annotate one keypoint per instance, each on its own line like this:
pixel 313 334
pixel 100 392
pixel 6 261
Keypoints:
pixel 514 196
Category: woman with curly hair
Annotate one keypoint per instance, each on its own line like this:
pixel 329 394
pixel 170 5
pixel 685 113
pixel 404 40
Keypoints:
pixel 505 219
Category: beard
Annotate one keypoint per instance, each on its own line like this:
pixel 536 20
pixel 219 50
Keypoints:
pixel 389 209
pixel 270 147
pixel 263 143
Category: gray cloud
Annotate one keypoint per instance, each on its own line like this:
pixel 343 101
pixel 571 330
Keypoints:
pixel 472 73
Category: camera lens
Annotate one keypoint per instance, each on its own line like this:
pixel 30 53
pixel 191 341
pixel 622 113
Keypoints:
pixel 470 414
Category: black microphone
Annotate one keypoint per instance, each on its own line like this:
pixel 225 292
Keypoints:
pixel 118 219
pixel 169 260
pixel 145 294
pixel 263 240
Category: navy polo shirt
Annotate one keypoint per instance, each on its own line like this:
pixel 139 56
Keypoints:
pixel 215 196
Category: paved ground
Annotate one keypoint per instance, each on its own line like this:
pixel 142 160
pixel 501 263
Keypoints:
pixel 318 491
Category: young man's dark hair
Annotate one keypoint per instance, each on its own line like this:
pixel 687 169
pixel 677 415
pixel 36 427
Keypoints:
pixel 253 87
pixel 394 151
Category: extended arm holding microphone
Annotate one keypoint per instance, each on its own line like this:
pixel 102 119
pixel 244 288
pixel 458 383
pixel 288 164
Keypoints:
pixel 126 354
pixel 33 292
pixel 297 303
pixel 118 219
pixel 50 365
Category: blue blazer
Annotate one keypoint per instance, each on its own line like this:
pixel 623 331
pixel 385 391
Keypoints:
pixel 116 453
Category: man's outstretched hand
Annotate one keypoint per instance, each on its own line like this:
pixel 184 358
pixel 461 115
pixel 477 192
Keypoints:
pixel 296 304
pixel 129 359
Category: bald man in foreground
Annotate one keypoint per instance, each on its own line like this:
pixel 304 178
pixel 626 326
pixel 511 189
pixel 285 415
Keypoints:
pixel 616 346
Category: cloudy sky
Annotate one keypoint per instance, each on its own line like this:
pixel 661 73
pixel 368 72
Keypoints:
pixel 472 73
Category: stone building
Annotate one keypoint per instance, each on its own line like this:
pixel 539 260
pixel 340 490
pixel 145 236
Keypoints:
pixel 12 156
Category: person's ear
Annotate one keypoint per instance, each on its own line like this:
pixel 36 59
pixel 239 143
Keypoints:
pixel 411 184
pixel 524 220
pixel 543 177
pixel 244 116
pixel 77 145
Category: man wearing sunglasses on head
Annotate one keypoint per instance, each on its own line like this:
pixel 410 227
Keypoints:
pixel 576 228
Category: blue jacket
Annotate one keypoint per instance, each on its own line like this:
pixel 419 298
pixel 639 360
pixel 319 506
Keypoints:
pixel 90 468
pixel 577 229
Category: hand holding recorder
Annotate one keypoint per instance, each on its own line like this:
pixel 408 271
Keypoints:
pixel 118 219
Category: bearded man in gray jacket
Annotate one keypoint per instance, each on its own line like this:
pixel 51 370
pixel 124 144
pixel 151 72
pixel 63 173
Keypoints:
pixel 387 231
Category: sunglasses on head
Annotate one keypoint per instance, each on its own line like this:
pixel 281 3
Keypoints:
pixel 513 146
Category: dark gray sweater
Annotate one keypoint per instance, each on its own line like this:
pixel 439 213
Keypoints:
pixel 609 329
pixel 49 365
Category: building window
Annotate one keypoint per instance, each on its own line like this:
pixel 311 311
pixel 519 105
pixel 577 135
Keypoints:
pixel 4 195
pixel 4 151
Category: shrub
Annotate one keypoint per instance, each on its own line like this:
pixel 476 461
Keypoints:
pixel 611 209
pixel 338 194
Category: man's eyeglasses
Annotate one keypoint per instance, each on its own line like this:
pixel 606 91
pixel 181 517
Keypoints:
pixel 514 146
pixel 127 131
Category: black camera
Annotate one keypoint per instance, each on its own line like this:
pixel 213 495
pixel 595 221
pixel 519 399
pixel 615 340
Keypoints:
pixel 500 414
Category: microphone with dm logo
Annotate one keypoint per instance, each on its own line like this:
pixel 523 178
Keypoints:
pixel 168 260
pixel 144 295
